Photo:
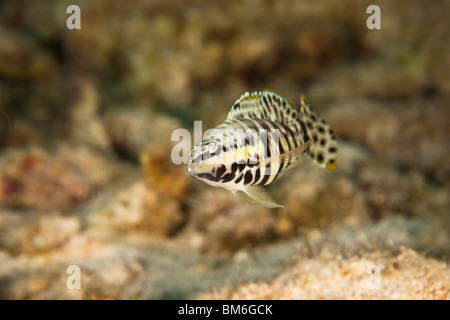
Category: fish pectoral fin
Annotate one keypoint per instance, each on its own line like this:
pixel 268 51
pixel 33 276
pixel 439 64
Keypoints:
pixel 296 153
pixel 241 195
pixel 291 155
pixel 259 195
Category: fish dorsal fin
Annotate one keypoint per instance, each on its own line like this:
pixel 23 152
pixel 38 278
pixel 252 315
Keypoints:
pixel 256 195
pixel 266 105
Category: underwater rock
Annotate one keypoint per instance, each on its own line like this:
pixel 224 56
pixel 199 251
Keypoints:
pixel 412 136
pixel 407 275
pixel 34 179
pixel 173 53
pixel 21 57
pixel 375 80
pixel 399 61
pixel 85 124
pixel 37 179
pixel 98 169
pixel 318 198
pixel 111 85
pixel 108 270
pixel 441 61
pixel 22 134
pixel 22 234
pixel 388 191
pixel 145 137
pixel 141 208
pixel 162 174
pixel 135 130
pixel 218 222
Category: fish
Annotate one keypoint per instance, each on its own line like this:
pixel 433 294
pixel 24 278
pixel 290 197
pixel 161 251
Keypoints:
pixel 263 136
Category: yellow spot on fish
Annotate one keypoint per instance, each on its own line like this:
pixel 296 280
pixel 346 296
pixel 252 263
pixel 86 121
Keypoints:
pixel 303 99
pixel 332 164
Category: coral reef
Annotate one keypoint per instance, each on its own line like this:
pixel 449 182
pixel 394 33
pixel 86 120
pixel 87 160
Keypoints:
pixel 220 222
pixel 140 208
pixel 37 179
pixel 87 179
pixel 411 136
pixel 421 278
pixel 317 198
pixel 37 234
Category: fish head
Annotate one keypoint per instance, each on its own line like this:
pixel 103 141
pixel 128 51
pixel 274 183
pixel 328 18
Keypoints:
pixel 205 161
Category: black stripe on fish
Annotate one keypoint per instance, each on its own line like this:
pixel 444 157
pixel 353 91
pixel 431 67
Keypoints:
pixel 257 175
pixel 266 108
pixel 264 125
pixel 291 134
pixel 266 176
pixel 228 177
pixel 251 163
pixel 283 164
pixel 220 171
pixel 208 176
pixel 248 177
pixel 266 103
pixel 303 130
pixel 251 141
pixel 265 136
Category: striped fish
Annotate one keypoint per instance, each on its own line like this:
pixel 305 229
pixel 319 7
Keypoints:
pixel 263 136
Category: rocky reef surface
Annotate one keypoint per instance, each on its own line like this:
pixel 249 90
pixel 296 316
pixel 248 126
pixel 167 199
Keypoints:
pixel 86 177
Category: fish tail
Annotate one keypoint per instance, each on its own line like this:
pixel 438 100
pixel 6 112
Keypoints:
pixel 323 150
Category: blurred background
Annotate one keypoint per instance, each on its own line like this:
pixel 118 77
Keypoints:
pixel 86 178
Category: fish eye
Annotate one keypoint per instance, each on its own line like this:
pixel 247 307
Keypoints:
pixel 213 147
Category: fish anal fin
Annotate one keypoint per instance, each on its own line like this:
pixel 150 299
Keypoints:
pixel 259 195
pixel 241 195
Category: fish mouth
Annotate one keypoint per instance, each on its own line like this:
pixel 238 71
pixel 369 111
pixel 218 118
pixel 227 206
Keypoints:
pixel 192 169
pixel 188 169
